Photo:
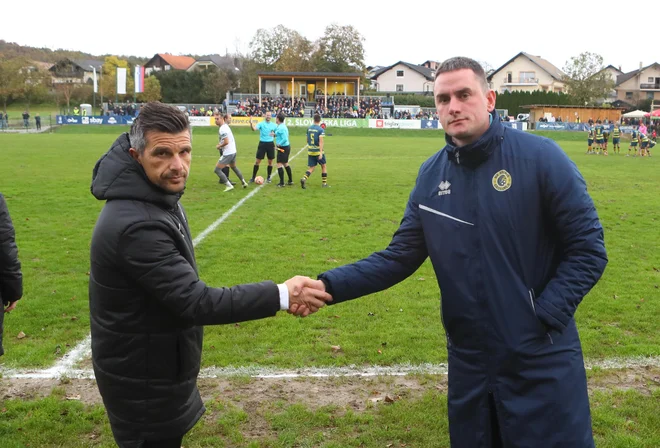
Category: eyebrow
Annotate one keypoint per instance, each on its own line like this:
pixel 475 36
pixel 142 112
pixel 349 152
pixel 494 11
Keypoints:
pixel 169 149
pixel 457 93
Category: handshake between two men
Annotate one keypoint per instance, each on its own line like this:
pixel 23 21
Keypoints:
pixel 306 296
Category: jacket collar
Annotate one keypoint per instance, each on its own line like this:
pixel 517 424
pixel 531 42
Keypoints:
pixel 476 153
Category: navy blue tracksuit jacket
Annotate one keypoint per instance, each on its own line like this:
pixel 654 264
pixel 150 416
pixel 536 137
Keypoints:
pixel 516 244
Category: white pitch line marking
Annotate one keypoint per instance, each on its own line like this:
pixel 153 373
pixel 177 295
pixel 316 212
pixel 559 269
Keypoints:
pixel 327 372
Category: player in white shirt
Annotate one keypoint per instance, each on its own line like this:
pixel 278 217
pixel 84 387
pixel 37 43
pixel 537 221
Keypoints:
pixel 227 147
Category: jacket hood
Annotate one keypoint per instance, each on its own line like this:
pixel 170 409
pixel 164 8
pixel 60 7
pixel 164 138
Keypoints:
pixel 117 175
pixel 475 153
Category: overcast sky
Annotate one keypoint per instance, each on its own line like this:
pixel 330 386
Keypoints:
pixel 411 31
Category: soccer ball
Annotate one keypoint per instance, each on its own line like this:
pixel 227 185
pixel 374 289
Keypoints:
pixel 258 180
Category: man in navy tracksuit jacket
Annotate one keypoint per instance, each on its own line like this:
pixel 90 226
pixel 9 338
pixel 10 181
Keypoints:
pixel 516 244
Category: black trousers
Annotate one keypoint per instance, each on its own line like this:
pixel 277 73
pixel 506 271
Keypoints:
pixel 2 318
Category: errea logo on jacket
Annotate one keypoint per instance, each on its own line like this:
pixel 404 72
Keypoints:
pixel 443 188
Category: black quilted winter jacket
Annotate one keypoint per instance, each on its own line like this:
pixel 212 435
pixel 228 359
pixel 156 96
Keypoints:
pixel 148 305
pixel 11 279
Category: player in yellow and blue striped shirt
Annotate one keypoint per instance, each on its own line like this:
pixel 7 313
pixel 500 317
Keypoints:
pixel 616 138
pixel 315 152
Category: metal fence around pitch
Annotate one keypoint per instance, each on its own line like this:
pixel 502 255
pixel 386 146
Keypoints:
pixel 29 126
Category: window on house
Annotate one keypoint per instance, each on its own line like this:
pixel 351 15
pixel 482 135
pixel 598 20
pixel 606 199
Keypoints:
pixel 399 73
pixel 399 87
pixel 509 76
pixel 650 79
pixel 629 95
pixel 649 95
pixel 527 77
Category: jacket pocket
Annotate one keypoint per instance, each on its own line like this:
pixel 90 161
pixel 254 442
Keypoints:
pixel 532 299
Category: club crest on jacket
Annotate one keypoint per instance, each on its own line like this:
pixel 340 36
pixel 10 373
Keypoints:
pixel 502 180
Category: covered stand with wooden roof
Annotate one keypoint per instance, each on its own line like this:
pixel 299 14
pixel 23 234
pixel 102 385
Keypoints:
pixel 570 113
pixel 309 84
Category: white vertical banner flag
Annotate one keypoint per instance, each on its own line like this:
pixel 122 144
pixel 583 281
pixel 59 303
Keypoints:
pixel 121 81
pixel 139 79
pixel 96 86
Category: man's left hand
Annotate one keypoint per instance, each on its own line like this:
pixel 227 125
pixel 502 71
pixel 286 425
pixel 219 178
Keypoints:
pixel 10 307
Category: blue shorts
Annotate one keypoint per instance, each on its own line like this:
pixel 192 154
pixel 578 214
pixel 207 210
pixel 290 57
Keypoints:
pixel 633 143
pixel 599 140
pixel 615 140
pixel 590 141
pixel 644 145
pixel 314 160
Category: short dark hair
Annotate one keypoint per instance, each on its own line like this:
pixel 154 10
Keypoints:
pixel 317 118
pixel 281 117
pixel 156 116
pixel 462 63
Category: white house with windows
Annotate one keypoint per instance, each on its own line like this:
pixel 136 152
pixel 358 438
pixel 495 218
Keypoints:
pixel 403 77
pixel 526 72
pixel 639 85
pixel 612 73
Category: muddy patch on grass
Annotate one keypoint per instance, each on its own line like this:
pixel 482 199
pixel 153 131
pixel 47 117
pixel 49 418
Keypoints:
pixel 356 393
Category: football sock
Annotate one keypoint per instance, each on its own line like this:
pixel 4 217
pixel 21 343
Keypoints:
pixel 307 174
pixel 288 173
pixel 226 171
pixel 255 170
pixel 280 172
pixel 221 175
pixel 324 178
pixel 238 173
pixel 270 170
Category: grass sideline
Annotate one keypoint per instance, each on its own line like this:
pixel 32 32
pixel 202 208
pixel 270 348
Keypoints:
pixel 620 419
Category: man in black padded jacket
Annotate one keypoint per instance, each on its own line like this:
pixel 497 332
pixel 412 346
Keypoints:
pixel 11 279
pixel 147 303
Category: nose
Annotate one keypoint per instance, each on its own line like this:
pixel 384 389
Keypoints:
pixel 176 163
pixel 454 106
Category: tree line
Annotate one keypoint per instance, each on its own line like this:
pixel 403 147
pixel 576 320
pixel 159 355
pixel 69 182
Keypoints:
pixel 339 49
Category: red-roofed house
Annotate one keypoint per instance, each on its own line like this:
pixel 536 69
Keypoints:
pixel 164 62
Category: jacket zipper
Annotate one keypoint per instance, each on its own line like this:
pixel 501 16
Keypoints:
pixel 177 219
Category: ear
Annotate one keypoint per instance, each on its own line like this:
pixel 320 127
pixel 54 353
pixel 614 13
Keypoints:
pixel 490 98
pixel 134 153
